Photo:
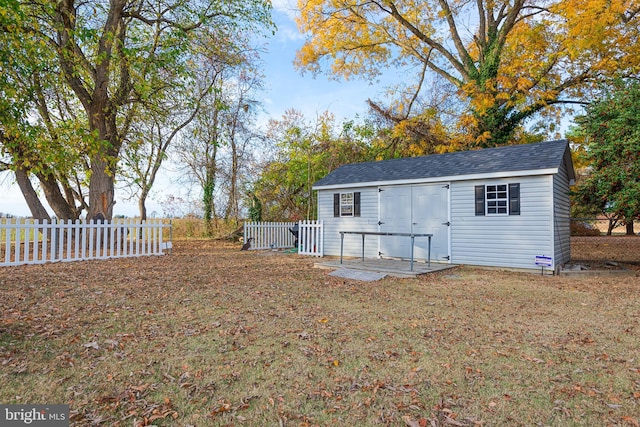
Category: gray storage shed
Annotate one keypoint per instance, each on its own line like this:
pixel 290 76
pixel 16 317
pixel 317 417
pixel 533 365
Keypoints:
pixel 499 207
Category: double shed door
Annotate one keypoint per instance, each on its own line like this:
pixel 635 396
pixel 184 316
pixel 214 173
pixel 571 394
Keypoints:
pixel 414 209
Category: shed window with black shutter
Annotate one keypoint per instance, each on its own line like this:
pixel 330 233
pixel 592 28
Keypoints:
pixel 498 199
pixel 479 200
pixel 346 204
pixel 514 199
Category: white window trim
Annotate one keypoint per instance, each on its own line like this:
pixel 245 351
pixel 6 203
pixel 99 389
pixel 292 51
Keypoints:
pixel 487 200
pixel 342 204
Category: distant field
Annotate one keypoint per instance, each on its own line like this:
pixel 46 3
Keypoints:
pixel 211 336
pixel 193 228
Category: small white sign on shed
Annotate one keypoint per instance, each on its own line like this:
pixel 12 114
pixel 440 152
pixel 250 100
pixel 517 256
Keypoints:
pixel 544 261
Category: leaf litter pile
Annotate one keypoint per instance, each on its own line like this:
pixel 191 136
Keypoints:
pixel 211 336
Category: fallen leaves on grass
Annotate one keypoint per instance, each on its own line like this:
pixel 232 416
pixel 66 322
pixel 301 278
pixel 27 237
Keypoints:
pixel 205 337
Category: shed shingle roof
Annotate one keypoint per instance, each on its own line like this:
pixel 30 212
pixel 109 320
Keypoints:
pixel 513 158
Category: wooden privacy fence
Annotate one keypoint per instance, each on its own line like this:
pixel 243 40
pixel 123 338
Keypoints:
pixel 279 235
pixel 24 241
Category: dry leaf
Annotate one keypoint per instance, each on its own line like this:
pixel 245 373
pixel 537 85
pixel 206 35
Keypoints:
pixel 630 420
pixel 410 422
pixel 92 344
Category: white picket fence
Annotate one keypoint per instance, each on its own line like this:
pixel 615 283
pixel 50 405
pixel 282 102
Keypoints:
pixel 24 241
pixel 278 235
pixel 310 238
pixel 269 235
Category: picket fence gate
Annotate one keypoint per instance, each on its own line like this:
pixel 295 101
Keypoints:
pixel 25 241
pixel 279 235
pixel 310 241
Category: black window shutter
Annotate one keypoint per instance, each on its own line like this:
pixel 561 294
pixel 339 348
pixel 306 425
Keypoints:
pixel 356 204
pixel 479 200
pixel 336 204
pixel 514 199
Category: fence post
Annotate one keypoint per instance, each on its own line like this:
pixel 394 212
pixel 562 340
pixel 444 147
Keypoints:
pixel 35 230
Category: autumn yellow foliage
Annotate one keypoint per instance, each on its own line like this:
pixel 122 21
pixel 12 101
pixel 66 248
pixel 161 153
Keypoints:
pixel 505 61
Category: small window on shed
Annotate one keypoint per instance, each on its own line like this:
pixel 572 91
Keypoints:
pixel 498 199
pixel 346 204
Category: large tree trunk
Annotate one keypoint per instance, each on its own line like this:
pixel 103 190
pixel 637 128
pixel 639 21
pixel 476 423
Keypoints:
pixel 142 207
pixel 30 196
pixel 100 108
pixel 630 231
pixel 56 200
pixel 101 190
pixel 102 117
pixel 36 207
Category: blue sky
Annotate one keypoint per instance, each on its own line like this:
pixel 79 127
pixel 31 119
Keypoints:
pixel 285 88
pixel 288 88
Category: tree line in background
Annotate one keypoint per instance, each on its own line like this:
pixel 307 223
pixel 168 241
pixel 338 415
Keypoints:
pixel 101 93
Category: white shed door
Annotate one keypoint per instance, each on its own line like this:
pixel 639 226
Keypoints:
pixel 395 217
pixel 431 215
pixel 420 209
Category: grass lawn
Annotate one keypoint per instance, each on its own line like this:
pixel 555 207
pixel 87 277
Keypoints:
pixel 211 336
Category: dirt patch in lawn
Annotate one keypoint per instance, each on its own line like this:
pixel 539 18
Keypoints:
pixel 211 336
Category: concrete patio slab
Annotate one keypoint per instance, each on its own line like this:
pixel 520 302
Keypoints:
pixel 391 267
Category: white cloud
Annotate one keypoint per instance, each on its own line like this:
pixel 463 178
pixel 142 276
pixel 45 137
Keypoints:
pixel 288 7
pixel 289 33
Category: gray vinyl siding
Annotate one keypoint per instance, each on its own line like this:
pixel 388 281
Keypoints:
pixel 562 226
pixel 368 221
pixel 510 241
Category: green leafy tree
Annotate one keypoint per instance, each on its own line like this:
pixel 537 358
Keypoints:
pixel 255 207
pixel 39 128
pixel 115 58
pixel 215 147
pixel 611 129
pixel 152 135
pixel 305 152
